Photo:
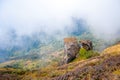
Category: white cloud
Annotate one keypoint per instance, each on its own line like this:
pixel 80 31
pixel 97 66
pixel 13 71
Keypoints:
pixel 29 16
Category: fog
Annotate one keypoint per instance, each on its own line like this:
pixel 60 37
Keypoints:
pixel 27 17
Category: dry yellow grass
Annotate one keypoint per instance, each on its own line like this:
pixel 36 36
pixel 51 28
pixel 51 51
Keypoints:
pixel 117 72
pixel 113 50
pixel 53 70
pixel 7 62
pixel 71 39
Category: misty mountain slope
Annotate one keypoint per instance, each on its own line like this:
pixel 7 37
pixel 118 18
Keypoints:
pixel 32 34
pixel 26 28
pixel 105 66
pixel 45 52
pixel 101 67
pixel 15 45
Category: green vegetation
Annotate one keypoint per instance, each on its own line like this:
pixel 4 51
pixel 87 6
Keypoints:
pixel 41 53
pixel 98 68
pixel 84 54
pixel 42 61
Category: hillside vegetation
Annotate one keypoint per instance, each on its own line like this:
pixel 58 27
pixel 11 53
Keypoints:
pixel 39 54
pixel 99 67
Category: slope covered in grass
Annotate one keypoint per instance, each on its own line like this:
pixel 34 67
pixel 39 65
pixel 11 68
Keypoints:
pixel 103 67
pixel 88 65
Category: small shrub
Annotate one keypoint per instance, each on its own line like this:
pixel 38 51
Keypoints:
pixel 84 54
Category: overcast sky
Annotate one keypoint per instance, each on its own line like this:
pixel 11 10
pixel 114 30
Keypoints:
pixel 30 16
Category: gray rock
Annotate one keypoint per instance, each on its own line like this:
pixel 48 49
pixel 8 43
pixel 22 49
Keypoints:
pixel 86 44
pixel 71 48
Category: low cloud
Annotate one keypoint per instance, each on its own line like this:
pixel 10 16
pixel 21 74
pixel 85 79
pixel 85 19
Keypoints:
pixel 26 17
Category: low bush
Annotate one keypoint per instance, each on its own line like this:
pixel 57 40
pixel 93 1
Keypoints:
pixel 84 54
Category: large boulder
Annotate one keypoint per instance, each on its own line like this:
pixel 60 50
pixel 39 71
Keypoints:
pixel 71 48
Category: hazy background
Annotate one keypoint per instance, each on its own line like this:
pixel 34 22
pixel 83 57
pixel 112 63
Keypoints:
pixel 19 18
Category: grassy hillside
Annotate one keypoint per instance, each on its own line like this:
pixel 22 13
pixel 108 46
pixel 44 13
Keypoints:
pixel 100 67
pixel 40 54
pixel 103 67
pixel 41 60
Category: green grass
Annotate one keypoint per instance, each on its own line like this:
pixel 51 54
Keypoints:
pixel 84 54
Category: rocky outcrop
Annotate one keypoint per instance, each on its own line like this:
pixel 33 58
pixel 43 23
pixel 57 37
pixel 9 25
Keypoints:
pixel 71 48
pixel 86 44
